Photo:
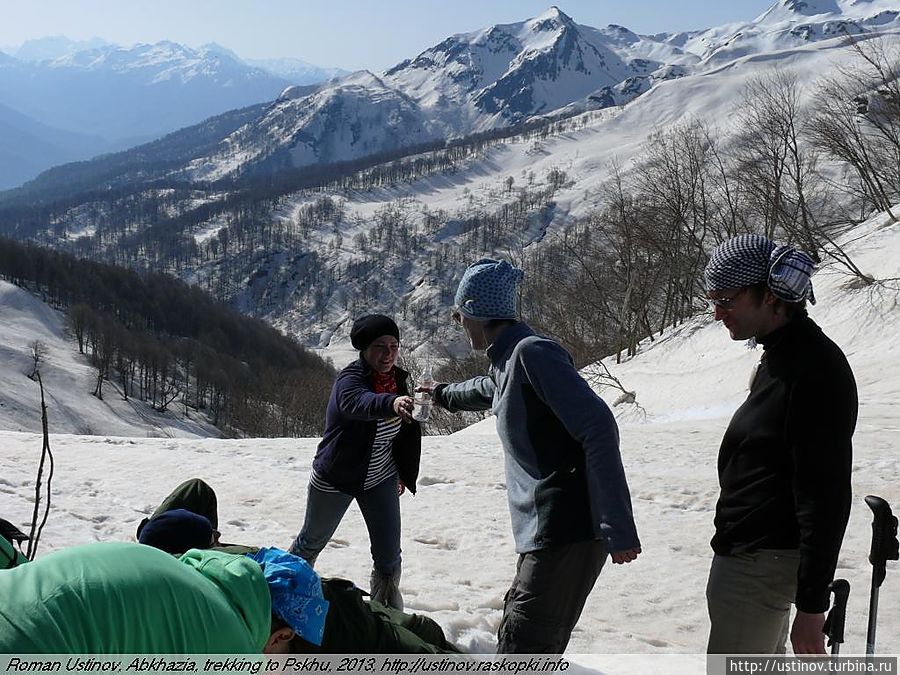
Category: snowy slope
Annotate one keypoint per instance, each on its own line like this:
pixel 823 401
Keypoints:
pixel 458 553
pixel 357 116
pixel 68 381
pixel 790 23
pixel 585 153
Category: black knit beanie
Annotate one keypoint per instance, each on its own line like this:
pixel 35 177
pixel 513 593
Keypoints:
pixel 176 531
pixel 367 329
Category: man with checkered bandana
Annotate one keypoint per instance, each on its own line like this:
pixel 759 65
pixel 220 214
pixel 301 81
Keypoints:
pixel 785 460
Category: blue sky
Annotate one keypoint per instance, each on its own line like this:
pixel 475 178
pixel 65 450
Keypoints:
pixel 351 34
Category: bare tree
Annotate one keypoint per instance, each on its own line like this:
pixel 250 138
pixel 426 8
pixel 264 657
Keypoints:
pixel 880 105
pixel 773 167
pixel 672 187
pixel 600 376
pixel 727 199
pixel 38 352
pixel 79 318
pixel 857 121
pixel 778 168
pixel 103 351
pixel 34 534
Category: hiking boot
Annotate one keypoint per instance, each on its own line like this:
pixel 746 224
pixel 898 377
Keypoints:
pixel 385 589
pixel 295 549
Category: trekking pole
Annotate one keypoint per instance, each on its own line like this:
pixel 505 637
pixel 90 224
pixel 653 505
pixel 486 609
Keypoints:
pixel 884 547
pixel 834 623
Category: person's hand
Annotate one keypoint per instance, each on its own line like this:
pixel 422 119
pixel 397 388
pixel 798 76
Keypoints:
pixel 403 406
pixel 428 390
pixel 626 556
pixel 401 488
pixel 806 633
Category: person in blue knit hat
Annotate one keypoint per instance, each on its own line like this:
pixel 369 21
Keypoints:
pixel 568 497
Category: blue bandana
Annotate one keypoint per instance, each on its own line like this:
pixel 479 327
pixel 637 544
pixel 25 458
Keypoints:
pixel 296 592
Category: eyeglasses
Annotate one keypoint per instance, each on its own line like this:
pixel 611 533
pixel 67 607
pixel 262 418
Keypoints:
pixel 726 303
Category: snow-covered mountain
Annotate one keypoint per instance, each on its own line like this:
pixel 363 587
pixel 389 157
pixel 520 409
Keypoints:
pixel 137 93
pixel 297 71
pixel 54 47
pixel 507 74
pixel 120 97
pixel 125 96
pixel 491 78
pixel 357 116
pixel 786 24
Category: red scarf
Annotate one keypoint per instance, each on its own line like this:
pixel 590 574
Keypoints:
pixel 384 383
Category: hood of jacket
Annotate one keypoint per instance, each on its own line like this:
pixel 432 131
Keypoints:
pixel 241 580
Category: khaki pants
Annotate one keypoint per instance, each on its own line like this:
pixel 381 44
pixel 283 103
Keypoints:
pixel 749 597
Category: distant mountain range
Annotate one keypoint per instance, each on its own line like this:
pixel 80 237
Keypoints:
pixel 91 98
pixel 507 74
pixel 496 77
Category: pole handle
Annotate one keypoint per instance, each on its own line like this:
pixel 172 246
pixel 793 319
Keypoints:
pixel 884 537
pixel 834 623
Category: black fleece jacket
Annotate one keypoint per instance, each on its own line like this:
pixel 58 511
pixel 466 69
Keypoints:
pixel 785 460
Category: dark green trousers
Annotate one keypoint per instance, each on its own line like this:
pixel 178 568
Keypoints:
pixel 354 626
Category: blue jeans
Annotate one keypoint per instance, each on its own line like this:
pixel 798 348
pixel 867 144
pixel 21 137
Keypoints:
pixel 380 507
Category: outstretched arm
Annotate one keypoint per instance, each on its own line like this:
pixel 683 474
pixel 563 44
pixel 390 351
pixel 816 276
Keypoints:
pixel 475 394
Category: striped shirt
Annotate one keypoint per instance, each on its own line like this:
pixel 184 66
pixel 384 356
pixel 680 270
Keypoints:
pixel 381 463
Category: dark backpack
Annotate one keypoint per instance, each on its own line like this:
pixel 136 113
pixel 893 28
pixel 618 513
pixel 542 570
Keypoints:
pixel 11 538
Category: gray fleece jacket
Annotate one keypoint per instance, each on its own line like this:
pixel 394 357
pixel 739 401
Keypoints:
pixel 564 476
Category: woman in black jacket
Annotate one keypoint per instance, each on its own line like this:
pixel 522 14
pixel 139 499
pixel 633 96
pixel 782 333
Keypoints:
pixel 370 452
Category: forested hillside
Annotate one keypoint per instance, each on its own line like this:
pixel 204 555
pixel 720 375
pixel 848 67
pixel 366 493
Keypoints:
pixel 169 343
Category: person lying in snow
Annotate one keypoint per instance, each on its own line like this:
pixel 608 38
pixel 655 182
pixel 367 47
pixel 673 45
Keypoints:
pixel 188 520
pixel 125 598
